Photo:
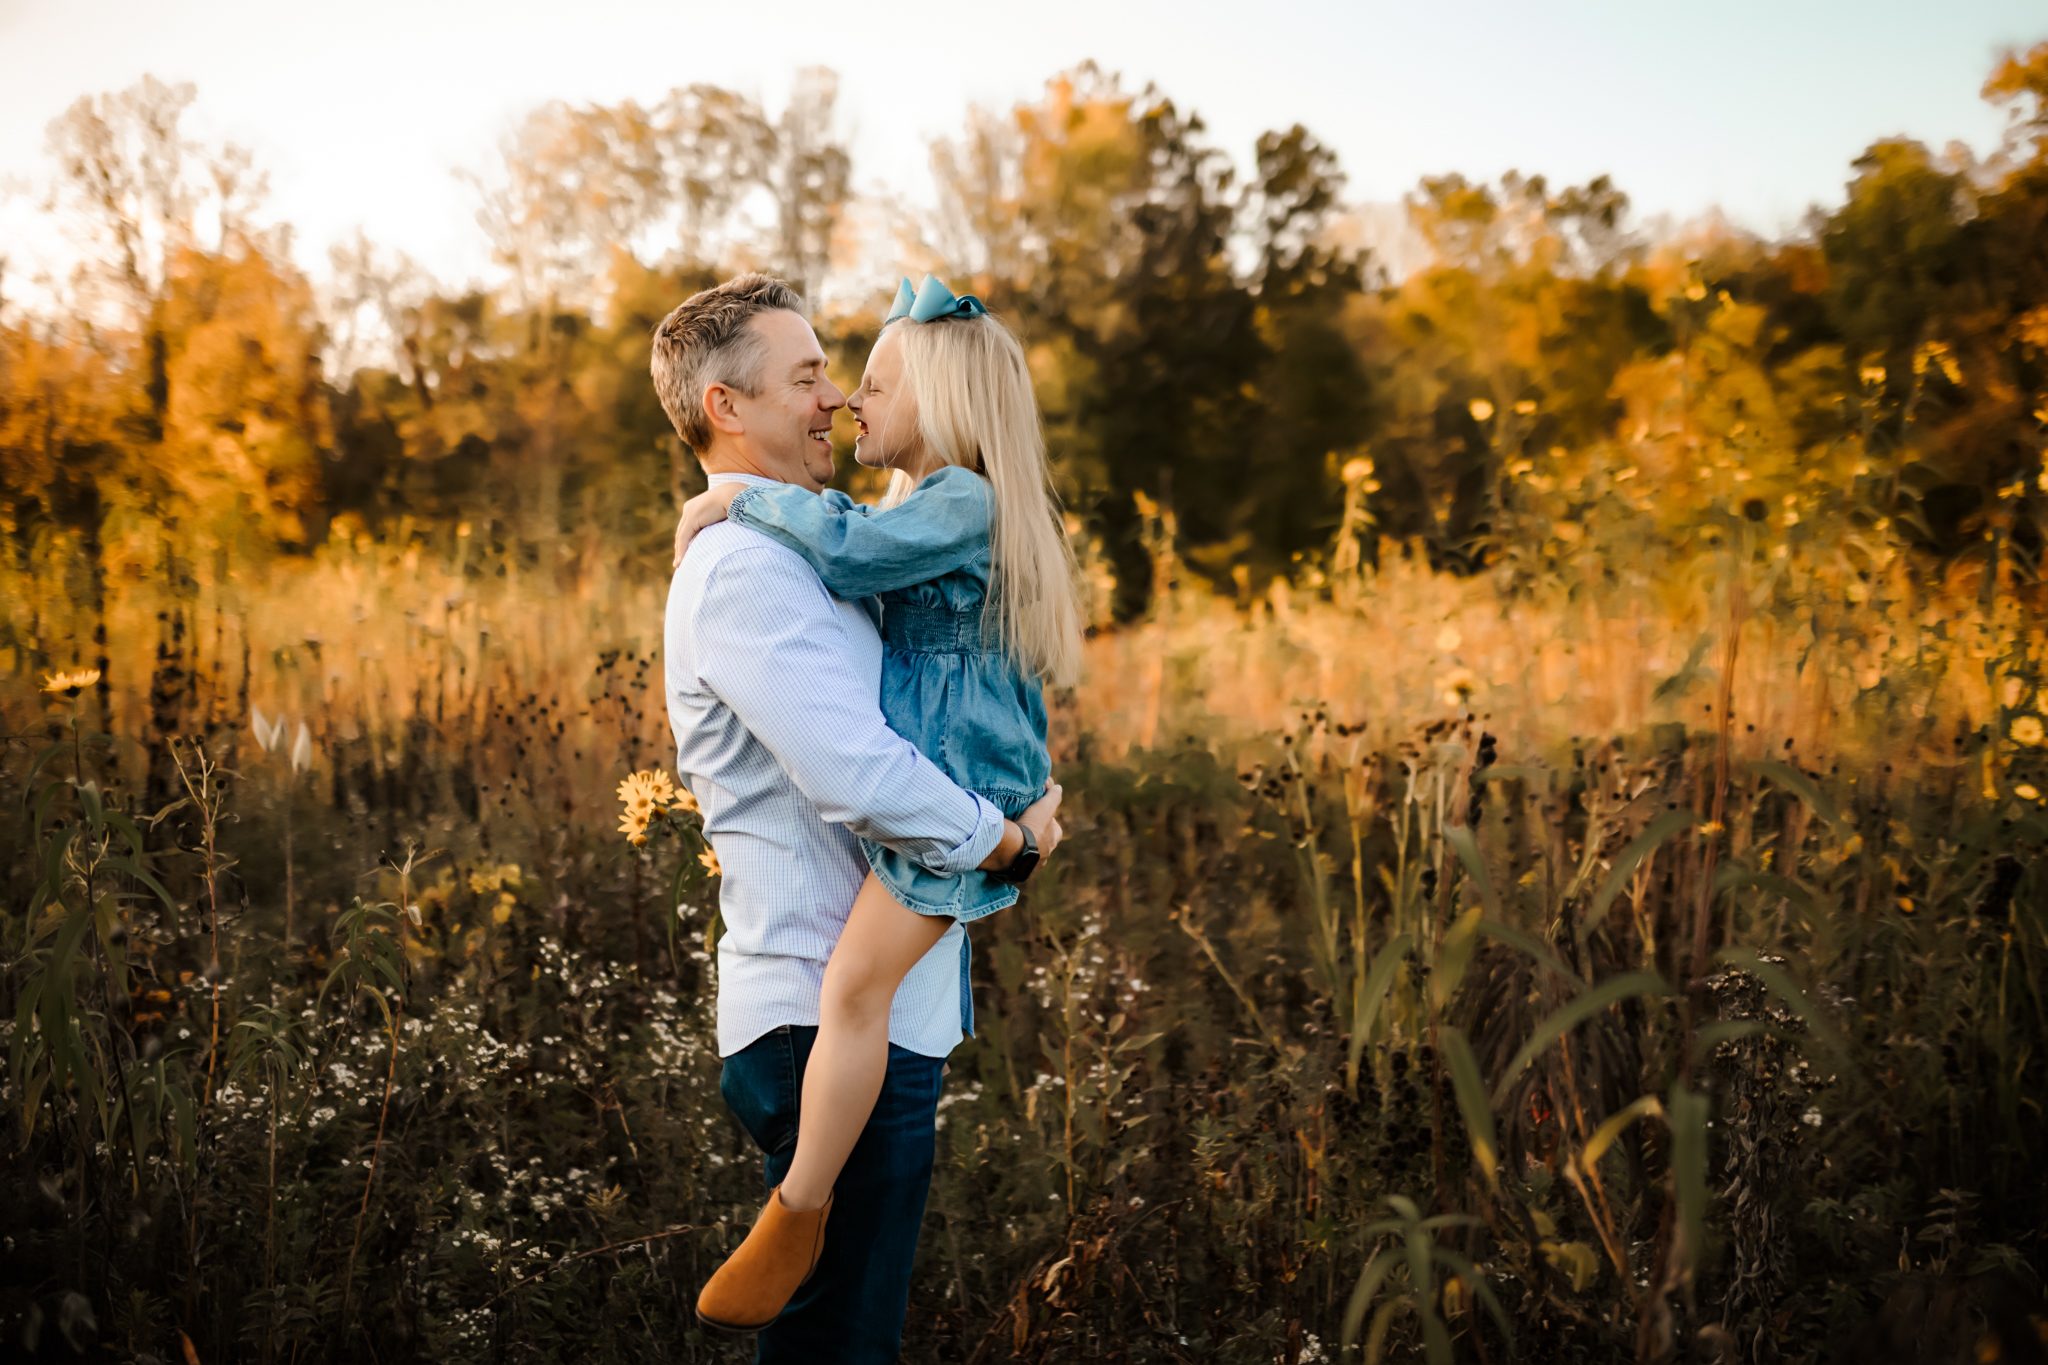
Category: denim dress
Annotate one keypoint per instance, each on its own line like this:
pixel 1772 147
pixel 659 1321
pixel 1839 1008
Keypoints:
pixel 947 686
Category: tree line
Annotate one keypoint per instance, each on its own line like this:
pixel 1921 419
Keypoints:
pixel 1220 340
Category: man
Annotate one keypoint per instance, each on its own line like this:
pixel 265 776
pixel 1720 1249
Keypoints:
pixel 773 691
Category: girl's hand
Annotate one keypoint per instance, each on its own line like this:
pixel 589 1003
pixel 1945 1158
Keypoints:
pixel 1042 816
pixel 706 509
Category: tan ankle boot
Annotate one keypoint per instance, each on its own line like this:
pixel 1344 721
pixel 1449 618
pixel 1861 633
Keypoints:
pixel 757 1281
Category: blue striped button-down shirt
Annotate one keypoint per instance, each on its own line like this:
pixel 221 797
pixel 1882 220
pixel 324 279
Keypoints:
pixel 773 690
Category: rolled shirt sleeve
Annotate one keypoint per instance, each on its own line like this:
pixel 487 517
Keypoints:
pixel 773 648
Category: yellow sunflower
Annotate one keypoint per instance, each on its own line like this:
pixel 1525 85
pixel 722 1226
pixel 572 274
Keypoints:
pixel 71 684
pixel 646 790
pixel 2027 730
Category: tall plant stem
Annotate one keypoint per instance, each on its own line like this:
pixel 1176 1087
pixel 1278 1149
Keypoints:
pixel 291 786
pixel 205 798
pixel 370 1181
pixel 1703 908
pixel 270 1229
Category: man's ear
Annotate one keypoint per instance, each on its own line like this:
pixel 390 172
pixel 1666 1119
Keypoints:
pixel 721 411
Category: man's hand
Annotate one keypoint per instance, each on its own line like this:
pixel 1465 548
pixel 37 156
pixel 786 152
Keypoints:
pixel 706 509
pixel 1042 816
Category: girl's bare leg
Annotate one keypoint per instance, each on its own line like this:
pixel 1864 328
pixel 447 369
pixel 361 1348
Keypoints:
pixel 850 1058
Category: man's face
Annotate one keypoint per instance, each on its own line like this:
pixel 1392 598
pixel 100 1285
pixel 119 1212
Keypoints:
pixel 789 423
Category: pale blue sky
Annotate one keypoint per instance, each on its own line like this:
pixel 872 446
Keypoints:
pixel 363 110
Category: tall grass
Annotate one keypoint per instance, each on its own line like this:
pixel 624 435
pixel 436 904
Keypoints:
pixel 1632 951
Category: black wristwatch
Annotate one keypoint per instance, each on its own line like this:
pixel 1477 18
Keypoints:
pixel 1024 864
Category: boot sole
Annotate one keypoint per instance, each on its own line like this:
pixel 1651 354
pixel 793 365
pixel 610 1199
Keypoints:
pixel 734 1328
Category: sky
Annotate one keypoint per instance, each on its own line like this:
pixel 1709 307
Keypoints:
pixel 366 112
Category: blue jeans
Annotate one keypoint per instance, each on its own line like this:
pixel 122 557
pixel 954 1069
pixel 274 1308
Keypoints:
pixel 851 1310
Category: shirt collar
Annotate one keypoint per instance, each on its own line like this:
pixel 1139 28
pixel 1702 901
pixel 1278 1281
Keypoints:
pixel 750 480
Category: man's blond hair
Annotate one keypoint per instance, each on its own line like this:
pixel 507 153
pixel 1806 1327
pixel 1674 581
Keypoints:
pixel 706 341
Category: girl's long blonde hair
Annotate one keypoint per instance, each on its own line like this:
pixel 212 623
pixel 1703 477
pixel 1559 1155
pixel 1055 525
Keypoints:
pixel 975 409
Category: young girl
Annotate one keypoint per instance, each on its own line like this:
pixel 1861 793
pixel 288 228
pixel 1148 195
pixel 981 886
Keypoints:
pixel 977 588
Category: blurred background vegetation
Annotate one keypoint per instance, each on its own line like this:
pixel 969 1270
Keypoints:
pixel 1558 784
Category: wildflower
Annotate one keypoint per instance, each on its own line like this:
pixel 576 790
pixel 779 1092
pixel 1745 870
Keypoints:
pixel 71 684
pixel 1456 686
pixel 2013 691
pixel 1873 376
pixel 709 857
pixel 633 824
pixel 1356 470
pixel 647 791
pixel 1481 410
pixel 1526 406
pixel 2027 730
pixel 269 734
pixel 2026 791
pixel 1448 638
pixel 1696 291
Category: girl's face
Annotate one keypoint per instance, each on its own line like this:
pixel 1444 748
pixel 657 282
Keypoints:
pixel 885 412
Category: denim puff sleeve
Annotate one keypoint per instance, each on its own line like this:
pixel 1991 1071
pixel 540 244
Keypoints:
pixel 860 552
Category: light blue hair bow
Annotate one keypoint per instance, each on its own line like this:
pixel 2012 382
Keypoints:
pixel 932 300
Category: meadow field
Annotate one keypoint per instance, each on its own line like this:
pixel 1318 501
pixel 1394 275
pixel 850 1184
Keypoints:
pixel 1555 798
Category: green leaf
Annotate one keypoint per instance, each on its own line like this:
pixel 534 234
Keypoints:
pixel 1681 682
pixel 1460 838
pixel 1530 946
pixel 1800 785
pixel 120 821
pixel 1480 1289
pixel 53 862
pixel 1687 1115
pixel 43 803
pixel 1604 1136
pixel 1472 1103
pixel 1374 991
pixel 1638 851
pixel 1734 877
pixel 1376 1339
pixel 1455 955
pixel 140 874
pixel 1581 1008
pixel 1369 1281
pixel 89 801
pixel 1436 1338
pixel 187 1123
pixel 29 784
pixel 1420 1244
